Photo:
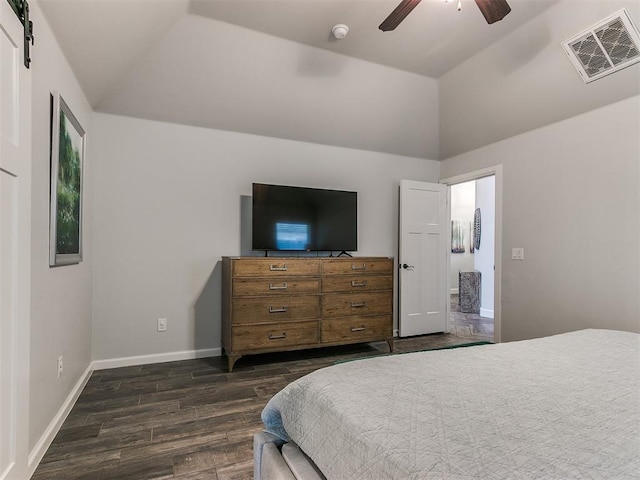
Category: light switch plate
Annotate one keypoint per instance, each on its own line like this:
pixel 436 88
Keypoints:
pixel 517 253
pixel 162 324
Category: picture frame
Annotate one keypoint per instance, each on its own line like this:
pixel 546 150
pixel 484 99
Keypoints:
pixel 457 237
pixel 68 140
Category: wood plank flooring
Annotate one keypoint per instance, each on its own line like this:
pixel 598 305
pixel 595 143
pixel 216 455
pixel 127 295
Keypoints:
pixel 190 420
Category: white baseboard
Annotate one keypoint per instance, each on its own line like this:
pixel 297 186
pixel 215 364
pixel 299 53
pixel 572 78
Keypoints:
pixel 453 291
pixel 485 312
pixel 35 456
pixel 156 358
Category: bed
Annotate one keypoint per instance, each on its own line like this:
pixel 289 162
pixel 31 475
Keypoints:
pixel 565 406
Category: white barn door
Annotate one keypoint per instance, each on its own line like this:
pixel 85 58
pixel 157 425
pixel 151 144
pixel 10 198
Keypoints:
pixel 15 246
pixel 422 258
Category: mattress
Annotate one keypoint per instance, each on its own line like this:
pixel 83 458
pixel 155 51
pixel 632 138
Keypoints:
pixel 565 406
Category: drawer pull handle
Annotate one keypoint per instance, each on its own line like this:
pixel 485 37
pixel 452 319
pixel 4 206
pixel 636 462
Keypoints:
pixel 276 268
pixel 358 305
pixel 357 329
pixel 359 267
pixel 355 283
pixel 276 337
pixel 277 309
pixel 278 287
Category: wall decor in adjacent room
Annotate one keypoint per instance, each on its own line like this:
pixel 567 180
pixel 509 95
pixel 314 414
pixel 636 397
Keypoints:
pixel 67 156
pixel 472 248
pixel 457 237
pixel 477 229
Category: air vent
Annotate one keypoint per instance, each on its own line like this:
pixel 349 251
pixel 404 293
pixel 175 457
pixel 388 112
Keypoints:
pixel 609 46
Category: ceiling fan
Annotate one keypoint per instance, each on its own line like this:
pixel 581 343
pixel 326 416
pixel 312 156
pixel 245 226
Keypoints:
pixel 493 11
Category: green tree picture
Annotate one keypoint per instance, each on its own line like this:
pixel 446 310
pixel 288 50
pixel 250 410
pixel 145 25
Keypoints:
pixel 67 157
pixel 68 192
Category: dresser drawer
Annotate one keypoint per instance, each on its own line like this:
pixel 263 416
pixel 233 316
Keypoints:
pixel 365 303
pixel 274 267
pixel 276 336
pixel 356 283
pixel 357 266
pixel 275 308
pixel 275 286
pixel 357 328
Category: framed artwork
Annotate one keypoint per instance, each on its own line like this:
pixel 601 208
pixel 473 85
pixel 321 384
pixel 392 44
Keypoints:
pixel 67 157
pixel 457 237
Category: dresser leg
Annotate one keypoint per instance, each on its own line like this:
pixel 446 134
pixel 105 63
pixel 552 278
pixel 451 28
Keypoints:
pixel 231 360
pixel 390 342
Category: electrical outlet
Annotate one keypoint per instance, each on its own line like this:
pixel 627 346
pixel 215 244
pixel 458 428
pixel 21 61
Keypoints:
pixel 162 324
pixel 60 366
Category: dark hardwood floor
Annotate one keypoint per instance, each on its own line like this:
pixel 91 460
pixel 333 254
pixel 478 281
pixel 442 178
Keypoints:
pixel 190 419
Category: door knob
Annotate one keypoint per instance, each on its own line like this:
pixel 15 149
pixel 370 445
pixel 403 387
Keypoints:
pixel 407 267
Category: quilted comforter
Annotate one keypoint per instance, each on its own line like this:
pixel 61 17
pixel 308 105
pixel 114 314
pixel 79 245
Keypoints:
pixel 566 406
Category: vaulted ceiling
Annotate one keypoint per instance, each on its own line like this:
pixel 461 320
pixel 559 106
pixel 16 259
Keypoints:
pixel 271 67
pixel 104 38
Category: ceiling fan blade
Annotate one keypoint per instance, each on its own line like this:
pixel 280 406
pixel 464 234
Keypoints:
pixel 493 10
pixel 395 17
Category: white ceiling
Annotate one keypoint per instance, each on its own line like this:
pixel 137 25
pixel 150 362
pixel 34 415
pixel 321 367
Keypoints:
pixel 443 83
pixel 103 39
pixel 433 39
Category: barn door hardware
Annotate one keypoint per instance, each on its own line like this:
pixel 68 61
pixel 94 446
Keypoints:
pixel 21 9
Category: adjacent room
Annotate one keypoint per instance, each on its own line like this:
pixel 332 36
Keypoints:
pixel 472 262
pixel 478 173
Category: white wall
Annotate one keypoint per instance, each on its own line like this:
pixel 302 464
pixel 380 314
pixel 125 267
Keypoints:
pixel 571 200
pixel 462 208
pixel 61 297
pixel 483 258
pixel 167 207
pixel 213 74
pixel 526 81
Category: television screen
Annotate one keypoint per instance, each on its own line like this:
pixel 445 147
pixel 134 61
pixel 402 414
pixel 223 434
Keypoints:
pixel 304 219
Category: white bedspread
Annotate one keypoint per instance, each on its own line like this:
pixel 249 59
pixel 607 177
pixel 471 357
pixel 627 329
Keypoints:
pixel 566 406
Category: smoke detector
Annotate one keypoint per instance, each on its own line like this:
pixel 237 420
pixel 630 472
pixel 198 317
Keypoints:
pixel 610 45
pixel 339 31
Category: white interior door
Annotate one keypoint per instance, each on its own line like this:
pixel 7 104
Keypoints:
pixel 422 258
pixel 15 193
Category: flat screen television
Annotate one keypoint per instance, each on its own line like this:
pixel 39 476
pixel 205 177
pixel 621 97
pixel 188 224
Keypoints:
pixel 291 218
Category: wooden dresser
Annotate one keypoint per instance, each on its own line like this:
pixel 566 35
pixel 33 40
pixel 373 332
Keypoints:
pixel 278 304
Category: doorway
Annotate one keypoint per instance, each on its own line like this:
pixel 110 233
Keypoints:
pixel 472 213
pixel 474 263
